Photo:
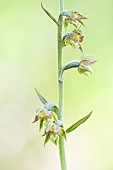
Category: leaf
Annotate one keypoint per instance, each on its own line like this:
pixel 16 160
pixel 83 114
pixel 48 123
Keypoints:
pixel 47 138
pixel 51 107
pixel 40 97
pixel 74 126
pixel 49 15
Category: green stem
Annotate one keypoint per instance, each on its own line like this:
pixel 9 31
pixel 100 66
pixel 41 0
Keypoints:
pixel 61 91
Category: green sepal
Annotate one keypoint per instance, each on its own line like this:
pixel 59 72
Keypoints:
pixel 85 70
pixel 66 23
pixel 47 138
pixel 41 124
pixel 80 48
pixel 49 15
pixel 82 23
pixel 42 99
pixel 54 141
pixel 74 126
pixel 51 107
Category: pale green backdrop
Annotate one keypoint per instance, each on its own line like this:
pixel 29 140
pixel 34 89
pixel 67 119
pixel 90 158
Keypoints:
pixel 28 59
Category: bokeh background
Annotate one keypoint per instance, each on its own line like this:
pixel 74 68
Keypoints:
pixel 28 59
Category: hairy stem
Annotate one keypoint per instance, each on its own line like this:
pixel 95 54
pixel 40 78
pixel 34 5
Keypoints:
pixel 61 92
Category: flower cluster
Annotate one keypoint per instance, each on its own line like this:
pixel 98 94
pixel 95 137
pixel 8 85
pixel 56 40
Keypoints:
pixel 53 127
pixel 75 38
pixel 84 67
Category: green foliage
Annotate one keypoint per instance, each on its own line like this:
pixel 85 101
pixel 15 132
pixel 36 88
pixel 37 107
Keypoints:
pixel 45 10
pixel 42 99
pixel 74 126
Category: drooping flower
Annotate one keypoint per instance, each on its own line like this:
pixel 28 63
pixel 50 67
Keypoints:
pixel 44 115
pixel 53 127
pixel 74 39
pixel 74 18
pixel 53 130
pixel 84 67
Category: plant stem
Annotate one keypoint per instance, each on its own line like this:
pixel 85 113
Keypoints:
pixel 61 91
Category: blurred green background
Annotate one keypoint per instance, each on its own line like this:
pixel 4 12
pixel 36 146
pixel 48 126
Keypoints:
pixel 28 59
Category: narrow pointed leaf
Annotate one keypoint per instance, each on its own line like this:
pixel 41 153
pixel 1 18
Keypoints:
pixel 49 15
pixel 74 126
pixel 41 97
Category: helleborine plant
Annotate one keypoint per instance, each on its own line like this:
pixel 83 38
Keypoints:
pixel 50 117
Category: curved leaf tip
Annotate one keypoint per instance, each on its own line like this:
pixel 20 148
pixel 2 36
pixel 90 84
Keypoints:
pixel 42 99
pixel 48 13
